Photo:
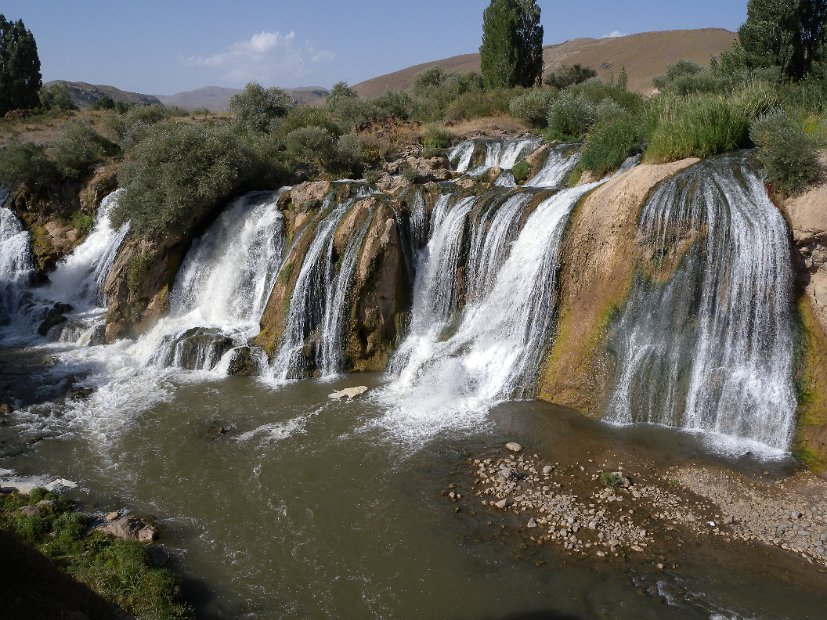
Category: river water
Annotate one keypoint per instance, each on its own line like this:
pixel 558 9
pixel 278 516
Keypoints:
pixel 309 507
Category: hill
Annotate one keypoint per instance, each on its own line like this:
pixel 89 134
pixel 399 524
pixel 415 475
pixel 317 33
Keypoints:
pixel 217 98
pixel 644 55
pixel 84 95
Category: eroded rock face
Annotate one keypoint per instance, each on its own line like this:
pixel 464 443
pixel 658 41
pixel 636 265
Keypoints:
pixel 600 252
pixel 807 217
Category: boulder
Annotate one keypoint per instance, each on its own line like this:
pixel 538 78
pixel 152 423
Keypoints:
pixel 129 528
pixel 55 316
pixel 242 362
pixel 350 392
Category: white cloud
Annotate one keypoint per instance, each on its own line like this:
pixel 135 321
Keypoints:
pixel 613 35
pixel 267 57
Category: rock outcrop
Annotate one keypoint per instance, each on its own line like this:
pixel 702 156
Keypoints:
pixel 599 253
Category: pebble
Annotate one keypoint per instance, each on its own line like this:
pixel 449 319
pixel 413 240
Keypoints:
pixel 532 522
pixel 513 446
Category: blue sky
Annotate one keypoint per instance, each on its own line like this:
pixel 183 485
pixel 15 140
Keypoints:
pixel 163 47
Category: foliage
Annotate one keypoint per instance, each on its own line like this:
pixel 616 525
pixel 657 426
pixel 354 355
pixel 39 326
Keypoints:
pixel 26 164
pixel 610 142
pixel 305 116
pixel 104 103
pixel 566 76
pixel 788 154
pixel 786 33
pixel 345 105
pixel 119 571
pixel 180 174
pixel 610 480
pixel 521 171
pixel 436 89
pixel 129 128
pixel 435 138
pixel 704 125
pixel 675 71
pixel 258 109
pixel 20 78
pixel 78 147
pixel 82 222
pixel 56 97
pixel 511 53
pixel 311 144
pixel 349 155
pixel 532 106
pixel 477 103
pixel 394 104
pixel 570 116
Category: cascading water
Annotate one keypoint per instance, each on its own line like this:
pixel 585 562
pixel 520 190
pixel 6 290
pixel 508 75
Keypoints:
pixel 309 303
pixel 16 264
pixel 221 289
pixel 503 154
pixel 558 166
pixel 449 372
pixel 705 341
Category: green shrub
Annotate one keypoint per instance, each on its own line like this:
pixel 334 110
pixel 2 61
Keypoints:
pixel 704 125
pixel 521 171
pixel 570 116
pixel 436 89
pixel 532 107
pixel 26 164
pixel 610 142
pixel 436 138
pixel 349 155
pixel 477 104
pixel 258 109
pixel 566 76
pixel 129 128
pixel 305 116
pixel 78 147
pixel 180 174
pixel 311 144
pixel 104 103
pixel 394 104
pixel 56 97
pixel 788 154
pixel 82 222
pixel 596 90
pixel 680 69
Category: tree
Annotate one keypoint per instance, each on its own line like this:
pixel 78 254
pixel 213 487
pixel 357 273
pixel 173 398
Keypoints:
pixel 785 33
pixel 20 78
pixel 256 108
pixel 567 76
pixel 511 53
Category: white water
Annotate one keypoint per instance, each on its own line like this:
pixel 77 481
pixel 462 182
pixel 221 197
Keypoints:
pixel 221 289
pixel 503 154
pixel 77 280
pixel 554 172
pixel 16 264
pixel 711 349
pixel 309 302
pixel 495 351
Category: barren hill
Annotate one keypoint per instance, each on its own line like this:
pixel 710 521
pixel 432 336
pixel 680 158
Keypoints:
pixel 644 55
pixel 217 98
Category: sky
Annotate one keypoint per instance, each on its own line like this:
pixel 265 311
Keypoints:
pixel 167 46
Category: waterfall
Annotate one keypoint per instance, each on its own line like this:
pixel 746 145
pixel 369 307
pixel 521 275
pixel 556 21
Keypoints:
pixel 450 371
pixel 16 264
pixel 557 167
pixel 221 288
pixel 503 154
pixel 705 340
pixel 309 302
pixel 75 286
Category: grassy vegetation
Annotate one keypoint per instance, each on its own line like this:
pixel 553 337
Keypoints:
pixel 119 571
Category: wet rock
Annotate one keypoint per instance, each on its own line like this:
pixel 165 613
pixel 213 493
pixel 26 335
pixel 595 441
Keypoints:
pixel 111 516
pixel 80 393
pixel 129 528
pixel 5 409
pixel 504 503
pixel 350 392
pixel 513 446
pixel 242 362
pixel 55 316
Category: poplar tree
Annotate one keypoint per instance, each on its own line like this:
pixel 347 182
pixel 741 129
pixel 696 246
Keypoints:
pixel 789 34
pixel 20 78
pixel 511 53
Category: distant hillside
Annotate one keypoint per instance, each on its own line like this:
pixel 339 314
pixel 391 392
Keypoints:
pixel 84 95
pixel 217 98
pixel 644 55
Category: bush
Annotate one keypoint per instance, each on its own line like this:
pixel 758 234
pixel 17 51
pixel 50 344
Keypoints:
pixel 788 154
pixel 567 76
pixel 312 144
pixel 180 174
pixel 681 68
pixel 56 97
pixel 258 109
pixel 27 165
pixel 521 171
pixel 704 125
pixel 130 128
pixel 394 104
pixel 436 89
pixel 350 155
pixel 570 116
pixel 104 103
pixel 78 147
pixel 305 116
pixel 532 107
pixel 82 222
pixel 477 104
pixel 610 142
pixel 436 138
